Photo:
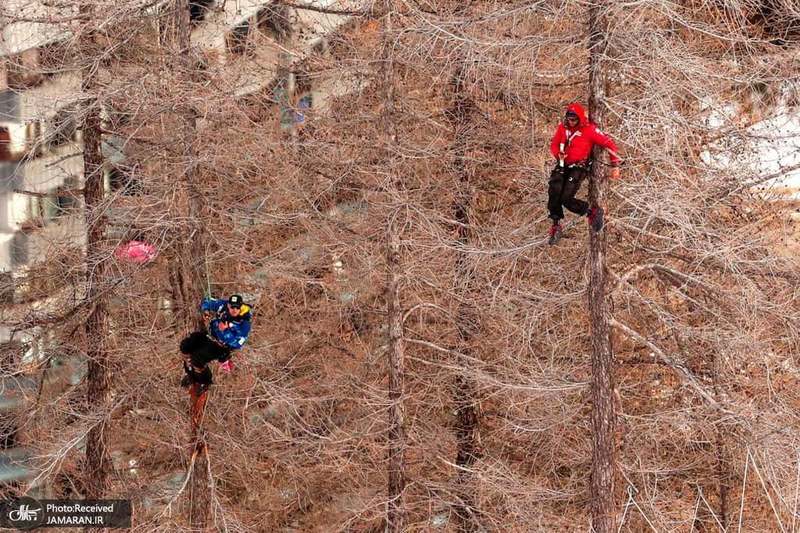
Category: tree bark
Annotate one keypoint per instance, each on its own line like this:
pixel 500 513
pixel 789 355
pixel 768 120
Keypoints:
pixel 723 470
pixel 200 488
pixel 396 511
pixel 189 264
pixel 397 432
pixel 464 394
pixel 97 466
pixel 604 416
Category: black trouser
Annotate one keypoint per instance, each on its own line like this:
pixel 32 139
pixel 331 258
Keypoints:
pixel 201 350
pixel 564 184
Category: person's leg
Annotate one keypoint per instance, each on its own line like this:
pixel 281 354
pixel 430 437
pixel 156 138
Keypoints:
pixel 198 352
pixel 196 374
pixel 572 183
pixel 554 193
pixel 204 377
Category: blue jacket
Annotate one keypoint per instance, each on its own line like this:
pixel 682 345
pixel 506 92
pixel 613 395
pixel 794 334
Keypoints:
pixel 235 335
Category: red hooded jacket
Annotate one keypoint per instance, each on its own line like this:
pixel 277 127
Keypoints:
pixel 578 143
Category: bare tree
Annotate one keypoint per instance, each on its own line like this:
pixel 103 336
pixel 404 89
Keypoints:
pixel 396 510
pixel 391 235
pixel 97 331
pixel 189 262
pixel 465 393
pixel 604 416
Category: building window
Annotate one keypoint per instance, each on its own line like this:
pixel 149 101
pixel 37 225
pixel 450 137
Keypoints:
pixel 198 10
pixel 48 208
pixel 5 144
pixel 65 201
pixel 19 249
pixel 33 138
pixel 51 208
pixel 238 40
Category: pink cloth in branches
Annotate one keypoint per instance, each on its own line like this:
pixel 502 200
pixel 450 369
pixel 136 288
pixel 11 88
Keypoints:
pixel 136 252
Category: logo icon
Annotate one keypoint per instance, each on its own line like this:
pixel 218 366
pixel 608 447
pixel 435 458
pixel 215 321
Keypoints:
pixel 24 513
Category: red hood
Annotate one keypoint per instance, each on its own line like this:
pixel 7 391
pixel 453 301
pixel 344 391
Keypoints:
pixel 578 110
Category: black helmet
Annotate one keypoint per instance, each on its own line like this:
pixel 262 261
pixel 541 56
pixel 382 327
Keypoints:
pixel 235 301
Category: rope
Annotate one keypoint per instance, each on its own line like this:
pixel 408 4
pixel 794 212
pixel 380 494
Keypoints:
pixel 208 277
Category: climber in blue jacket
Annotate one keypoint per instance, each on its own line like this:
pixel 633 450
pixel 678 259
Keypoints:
pixel 228 325
pixel 230 320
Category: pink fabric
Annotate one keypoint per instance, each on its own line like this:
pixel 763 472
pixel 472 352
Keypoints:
pixel 227 366
pixel 136 252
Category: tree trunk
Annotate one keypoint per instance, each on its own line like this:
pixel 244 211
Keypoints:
pixel 396 512
pixel 722 478
pixel 604 416
pixel 200 488
pixel 465 393
pixel 721 451
pixel 189 264
pixel 397 432
pixel 97 465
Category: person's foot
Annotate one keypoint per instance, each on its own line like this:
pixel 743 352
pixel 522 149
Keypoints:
pixel 595 217
pixel 555 233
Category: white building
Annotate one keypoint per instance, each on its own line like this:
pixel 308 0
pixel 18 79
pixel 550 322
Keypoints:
pixel 40 156
pixel 255 44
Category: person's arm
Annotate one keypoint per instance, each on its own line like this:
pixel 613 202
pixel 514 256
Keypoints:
pixel 559 137
pixel 210 304
pixel 235 334
pixel 598 137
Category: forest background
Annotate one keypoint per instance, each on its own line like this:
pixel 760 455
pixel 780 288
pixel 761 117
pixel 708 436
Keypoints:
pixel 420 358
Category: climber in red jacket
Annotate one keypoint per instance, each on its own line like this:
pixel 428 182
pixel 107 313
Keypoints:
pixel 572 145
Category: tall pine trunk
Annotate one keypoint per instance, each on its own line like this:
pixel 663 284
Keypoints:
pixel 188 266
pixel 464 393
pixel 604 416
pixel 397 433
pixel 97 464
pixel 200 487
pixel 189 263
pixel 396 511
